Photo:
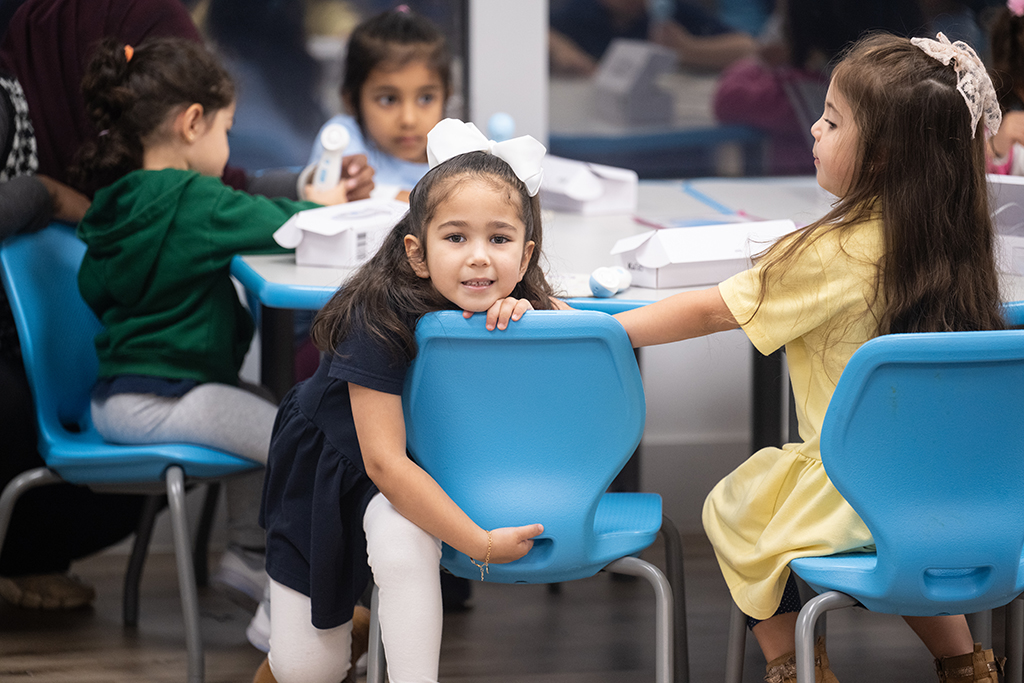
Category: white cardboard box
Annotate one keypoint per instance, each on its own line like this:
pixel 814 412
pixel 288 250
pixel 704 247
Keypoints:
pixel 701 255
pixel 1006 194
pixel 625 86
pixel 340 236
pixel 588 189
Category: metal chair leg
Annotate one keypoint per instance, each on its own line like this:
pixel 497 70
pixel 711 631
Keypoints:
pixel 1015 641
pixel 29 479
pixel 375 663
pixel 980 624
pixel 805 630
pixel 663 670
pixel 735 651
pixel 201 545
pixel 137 560
pixel 674 569
pixel 186 573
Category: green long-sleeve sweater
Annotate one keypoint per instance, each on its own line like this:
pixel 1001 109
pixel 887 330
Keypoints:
pixel 156 272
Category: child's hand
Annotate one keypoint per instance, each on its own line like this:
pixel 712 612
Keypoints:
pixel 327 195
pixel 512 542
pixel 356 176
pixel 68 204
pixel 502 311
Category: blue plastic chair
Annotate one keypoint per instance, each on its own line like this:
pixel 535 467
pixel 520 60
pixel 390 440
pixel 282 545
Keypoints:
pixel 531 424
pixel 56 330
pixel 922 438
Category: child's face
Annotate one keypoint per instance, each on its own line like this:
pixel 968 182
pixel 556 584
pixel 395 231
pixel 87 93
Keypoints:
pixel 475 245
pixel 836 140
pixel 400 107
pixel 209 150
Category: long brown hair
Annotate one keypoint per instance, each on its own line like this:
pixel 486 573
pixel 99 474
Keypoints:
pixel 1007 46
pixel 387 297
pixel 921 172
pixel 130 94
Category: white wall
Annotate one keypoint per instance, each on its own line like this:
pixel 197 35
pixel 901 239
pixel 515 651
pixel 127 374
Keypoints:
pixel 508 64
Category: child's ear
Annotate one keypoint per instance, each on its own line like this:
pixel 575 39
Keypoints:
pixel 527 254
pixel 189 123
pixel 414 252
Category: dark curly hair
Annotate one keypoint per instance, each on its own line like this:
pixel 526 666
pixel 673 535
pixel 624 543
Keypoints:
pixel 129 98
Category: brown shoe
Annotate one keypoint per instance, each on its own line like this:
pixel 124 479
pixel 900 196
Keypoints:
pixel 783 669
pixel 980 665
pixel 263 674
pixel 360 639
pixel 46 591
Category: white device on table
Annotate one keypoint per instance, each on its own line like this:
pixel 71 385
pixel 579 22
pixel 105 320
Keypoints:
pixel 609 281
pixel 334 139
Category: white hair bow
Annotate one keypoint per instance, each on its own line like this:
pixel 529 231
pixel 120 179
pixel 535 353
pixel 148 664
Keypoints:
pixel 452 137
pixel 973 81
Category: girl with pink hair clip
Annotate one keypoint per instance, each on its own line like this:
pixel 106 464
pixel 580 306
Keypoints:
pixel 1002 150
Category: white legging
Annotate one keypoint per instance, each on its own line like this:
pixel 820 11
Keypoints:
pixel 404 560
pixel 237 420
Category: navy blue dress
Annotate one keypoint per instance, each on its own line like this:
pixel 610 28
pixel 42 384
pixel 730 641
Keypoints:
pixel 316 489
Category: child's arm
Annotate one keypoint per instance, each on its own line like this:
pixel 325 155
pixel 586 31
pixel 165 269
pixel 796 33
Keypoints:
pixel 380 426
pixel 682 316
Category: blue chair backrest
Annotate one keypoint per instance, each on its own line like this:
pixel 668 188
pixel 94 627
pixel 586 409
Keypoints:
pixel 526 425
pixel 924 438
pixel 55 326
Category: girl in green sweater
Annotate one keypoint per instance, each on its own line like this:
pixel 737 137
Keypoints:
pixel 161 233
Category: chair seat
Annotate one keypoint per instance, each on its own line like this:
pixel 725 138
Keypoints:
pixel 84 458
pixel 624 524
pixel 935 591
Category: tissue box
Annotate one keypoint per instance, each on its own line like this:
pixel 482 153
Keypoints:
pixel 625 91
pixel 588 189
pixel 340 236
pixel 1006 193
pixel 701 255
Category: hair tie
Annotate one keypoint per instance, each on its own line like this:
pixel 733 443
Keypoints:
pixel 1016 7
pixel 452 137
pixel 404 9
pixel 103 133
pixel 129 51
pixel 972 80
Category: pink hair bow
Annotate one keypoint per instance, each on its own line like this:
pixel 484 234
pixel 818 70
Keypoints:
pixel 1016 7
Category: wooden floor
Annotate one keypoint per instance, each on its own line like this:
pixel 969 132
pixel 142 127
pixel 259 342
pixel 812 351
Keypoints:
pixel 593 631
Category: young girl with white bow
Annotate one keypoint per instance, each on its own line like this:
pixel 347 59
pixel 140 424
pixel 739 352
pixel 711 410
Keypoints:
pixel 339 487
pixel 907 247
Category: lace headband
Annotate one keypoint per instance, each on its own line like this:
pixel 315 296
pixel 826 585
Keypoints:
pixel 972 79
pixel 452 137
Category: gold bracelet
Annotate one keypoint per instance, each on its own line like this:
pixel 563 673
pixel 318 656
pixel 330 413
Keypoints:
pixel 485 565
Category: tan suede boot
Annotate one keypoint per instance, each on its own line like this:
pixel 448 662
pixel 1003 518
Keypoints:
pixel 783 669
pixel 263 674
pixel 360 639
pixel 980 665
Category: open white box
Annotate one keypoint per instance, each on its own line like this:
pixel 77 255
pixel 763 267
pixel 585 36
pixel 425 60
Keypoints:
pixel 586 188
pixel 701 255
pixel 340 236
pixel 1006 194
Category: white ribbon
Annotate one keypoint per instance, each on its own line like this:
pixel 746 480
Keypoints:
pixel 452 137
pixel 973 81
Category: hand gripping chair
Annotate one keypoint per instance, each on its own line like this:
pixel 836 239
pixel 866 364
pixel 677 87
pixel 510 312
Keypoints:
pixel 56 330
pixel 531 424
pixel 922 438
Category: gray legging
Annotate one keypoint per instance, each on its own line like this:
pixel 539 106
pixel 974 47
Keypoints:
pixel 237 420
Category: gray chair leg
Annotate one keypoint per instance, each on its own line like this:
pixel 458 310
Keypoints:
pixel 201 546
pixel 375 663
pixel 735 651
pixel 1015 641
pixel 805 624
pixel 186 573
pixel 674 569
pixel 29 479
pixel 634 566
pixel 980 624
pixel 137 560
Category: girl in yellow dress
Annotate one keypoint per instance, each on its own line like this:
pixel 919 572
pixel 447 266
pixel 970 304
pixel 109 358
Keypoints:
pixel 907 247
